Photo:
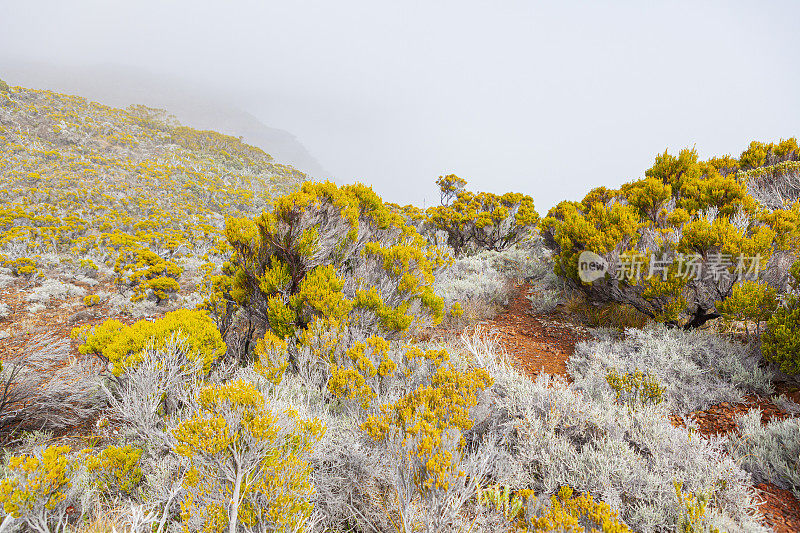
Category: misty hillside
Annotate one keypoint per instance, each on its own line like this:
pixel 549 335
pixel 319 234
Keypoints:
pixel 194 105
pixel 197 338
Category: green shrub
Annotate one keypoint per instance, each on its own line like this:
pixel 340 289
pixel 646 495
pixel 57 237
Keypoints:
pixel 122 345
pixel 116 470
pixel 749 302
pixel 565 511
pixel 781 341
pixel 635 388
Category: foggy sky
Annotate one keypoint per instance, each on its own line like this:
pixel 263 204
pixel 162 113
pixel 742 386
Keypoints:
pixel 543 98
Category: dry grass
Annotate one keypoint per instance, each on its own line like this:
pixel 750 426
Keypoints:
pixel 609 315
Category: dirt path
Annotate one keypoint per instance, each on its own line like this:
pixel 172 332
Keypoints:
pixel 538 343
pixel 544 342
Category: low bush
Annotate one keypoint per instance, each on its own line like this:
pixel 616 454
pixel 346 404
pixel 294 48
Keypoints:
pixel 477 283
pixel 603 315
pixel 122 346
pixel 46 389
pixel 38 490
pixel 52 289
pixel 696 369
pixel 770 452
pixel 781 340
pixel 554 434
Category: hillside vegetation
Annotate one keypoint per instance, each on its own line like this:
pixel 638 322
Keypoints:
pixel 130 189
pixel 313 358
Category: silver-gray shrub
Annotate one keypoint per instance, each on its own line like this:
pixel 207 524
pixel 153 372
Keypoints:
pixel 774 186
pixel 787 404
pixel 45 388
pixel 144 396
pixel 697 368
pixel 53 289
pixel 770 452
pixel 554 434
pixel 475 281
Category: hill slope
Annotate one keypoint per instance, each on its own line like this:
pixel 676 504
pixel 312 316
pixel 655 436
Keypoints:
pixel 129 189
pixel 194 105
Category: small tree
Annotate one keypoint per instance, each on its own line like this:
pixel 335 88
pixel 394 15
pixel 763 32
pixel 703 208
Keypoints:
pixel 449 187
pixel 484 221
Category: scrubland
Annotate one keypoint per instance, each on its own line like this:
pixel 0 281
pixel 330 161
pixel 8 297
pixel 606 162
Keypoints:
pixel 200 339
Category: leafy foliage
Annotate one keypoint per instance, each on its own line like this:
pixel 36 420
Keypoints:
pixel 122 346
pixel 481 221
pixel 676 242
pixel 781 341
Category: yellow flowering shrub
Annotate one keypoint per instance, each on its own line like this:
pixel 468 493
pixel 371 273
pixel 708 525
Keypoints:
pixel 635 388
pixel 565 511
pixel 425 420
pixel 481 221
pixel 122 345
pixel 271 357
pixel 116 470
pixel 37 483
pixel 692 512
pixel 91 300
pixel 332 253
pixel 243 466
pixel 675 243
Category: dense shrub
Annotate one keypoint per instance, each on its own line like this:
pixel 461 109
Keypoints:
pixel 330 254
pixel 115 470
pixel 774 186
pixel 781 341
pixel 770 452
pixel 481 221
pixel 696 369
pixel 46 389
pixel 556 435
pixel 676 242
pixel 760 154
pixel 122 346
pixel 39 489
